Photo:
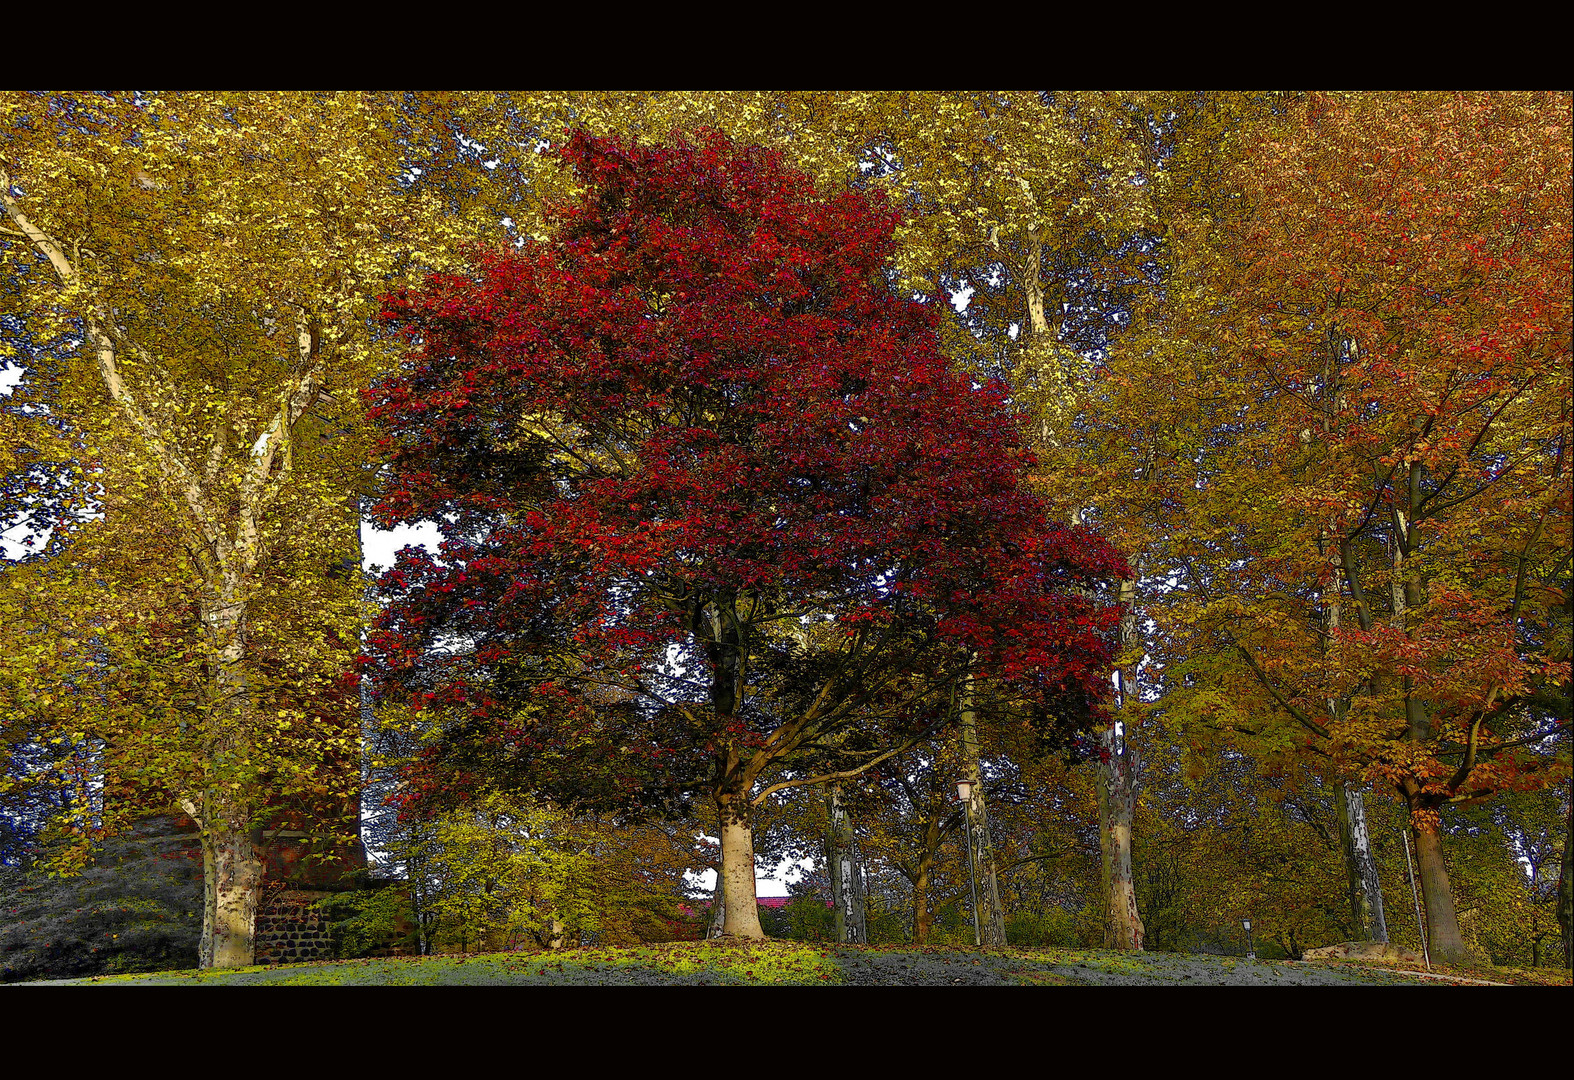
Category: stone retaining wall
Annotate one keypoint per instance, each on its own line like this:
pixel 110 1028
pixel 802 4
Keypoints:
pixel 290 929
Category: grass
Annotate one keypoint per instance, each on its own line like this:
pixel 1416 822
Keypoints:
pixel 709 962
pixel 791 963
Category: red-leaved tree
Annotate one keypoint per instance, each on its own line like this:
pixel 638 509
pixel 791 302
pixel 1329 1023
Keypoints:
pixel 718 516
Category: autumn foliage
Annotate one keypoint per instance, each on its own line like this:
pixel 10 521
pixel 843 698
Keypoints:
pixel 710 493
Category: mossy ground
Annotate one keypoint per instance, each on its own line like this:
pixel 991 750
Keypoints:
pixel 788 963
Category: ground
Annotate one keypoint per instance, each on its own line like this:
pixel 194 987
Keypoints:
pixel 794 963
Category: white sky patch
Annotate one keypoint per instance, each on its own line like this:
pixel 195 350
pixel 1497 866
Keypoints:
pixel 766 883
pixel 11 546
pixel 8 380
pixel 378 545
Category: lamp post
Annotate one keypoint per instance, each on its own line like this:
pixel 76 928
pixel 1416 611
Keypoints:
pixel 964 791
pixel 1251 949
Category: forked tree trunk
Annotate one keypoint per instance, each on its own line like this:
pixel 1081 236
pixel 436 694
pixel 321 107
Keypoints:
pixel 737 866
pixel 1442 925
pixel 222 532
pixel 847 893
pixel 1365 889
pixel 991 917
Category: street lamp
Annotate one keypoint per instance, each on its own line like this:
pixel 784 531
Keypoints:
pixel 1251 950
pixel 964 791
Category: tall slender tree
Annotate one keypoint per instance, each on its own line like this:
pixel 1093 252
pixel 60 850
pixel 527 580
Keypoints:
pixel 195 273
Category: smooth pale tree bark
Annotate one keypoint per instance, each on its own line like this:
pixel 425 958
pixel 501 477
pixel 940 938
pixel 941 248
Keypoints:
pixel 1117 799
pixel 1365 890
pixel 1117 805
pixel 737 866
pixel 1053 391
pixel 718 906
pixel 847 891
pixel 991 916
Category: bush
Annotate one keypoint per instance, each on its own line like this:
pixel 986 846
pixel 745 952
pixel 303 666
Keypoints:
pixel 376 921
pixel 805 918
pixel 136 907
pixel 1052 928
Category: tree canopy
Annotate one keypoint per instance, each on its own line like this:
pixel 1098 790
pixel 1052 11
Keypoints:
pixel 793 454
pixel 713 501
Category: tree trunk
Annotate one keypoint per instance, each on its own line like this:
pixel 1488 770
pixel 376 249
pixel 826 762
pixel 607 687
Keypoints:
pixel 1117 807
pixel 556 934
pixel 423 942
pixel 737 866
pixel 1442 927
pixel 922 919
pixel 718 905
pixel 205 944
pixel 1118 803
pixel 1365 890
pixel 991 917
pixel 232 884
pixel 231 857
pixel 1565 901
pixel 847 899
pixel 237 888
pixel 1364 887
